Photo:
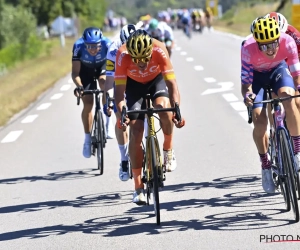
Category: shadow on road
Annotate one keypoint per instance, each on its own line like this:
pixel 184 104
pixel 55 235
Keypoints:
pixel 56 176
pixel 140 220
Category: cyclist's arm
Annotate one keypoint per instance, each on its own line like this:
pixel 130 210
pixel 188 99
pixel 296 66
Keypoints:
pixel 76 65
pixel 120 79
pixel 169 76
pixel 75 73
pixel 293 60
pixel 246 72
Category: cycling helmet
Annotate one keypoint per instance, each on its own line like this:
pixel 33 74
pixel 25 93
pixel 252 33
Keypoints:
pixel 139 44
pixel 266 30
pixel 153 24
pixel 253 23
pixel 126 31
pixel 280 19
pixel 92 35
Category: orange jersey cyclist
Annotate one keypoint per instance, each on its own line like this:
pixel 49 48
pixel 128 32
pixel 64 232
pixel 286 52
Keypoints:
pixel 143 66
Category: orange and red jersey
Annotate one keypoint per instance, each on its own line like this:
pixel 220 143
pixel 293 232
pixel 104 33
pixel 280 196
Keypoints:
pixel 159 63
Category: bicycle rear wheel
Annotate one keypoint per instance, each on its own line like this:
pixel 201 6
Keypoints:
pixel 155 182
pixel 287 163
pixel 100 142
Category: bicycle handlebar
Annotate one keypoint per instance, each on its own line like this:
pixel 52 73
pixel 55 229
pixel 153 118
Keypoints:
pixel 90 91
pixel 175 109
pixel 278 99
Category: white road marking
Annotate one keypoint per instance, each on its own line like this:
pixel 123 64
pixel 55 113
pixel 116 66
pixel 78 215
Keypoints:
pixel 177 48
pixel 230 97
pixel 56 96
pixel 65 87
pixel 70 80
pixel 198 67
pixel 225 86
pixel 44 106
pixel 209 79
pixel 183 53
pixel 29 119
pixel 238 106
pixel 189 59
pixel 244 114
pixel 12 136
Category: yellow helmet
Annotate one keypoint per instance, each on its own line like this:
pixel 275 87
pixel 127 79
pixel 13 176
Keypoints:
pixel 266 30
pixel 139 44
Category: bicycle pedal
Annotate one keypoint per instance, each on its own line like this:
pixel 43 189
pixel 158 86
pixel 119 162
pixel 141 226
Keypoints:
pixel 164 169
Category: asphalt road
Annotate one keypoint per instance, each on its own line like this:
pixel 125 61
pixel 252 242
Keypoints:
pixel 53 198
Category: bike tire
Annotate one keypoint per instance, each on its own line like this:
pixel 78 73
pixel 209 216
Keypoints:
pixel 100 155
pixel 154 171
pixel 104 132
pixel 287 155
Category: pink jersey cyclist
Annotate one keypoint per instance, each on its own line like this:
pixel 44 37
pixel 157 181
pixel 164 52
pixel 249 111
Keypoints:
pixel 259 70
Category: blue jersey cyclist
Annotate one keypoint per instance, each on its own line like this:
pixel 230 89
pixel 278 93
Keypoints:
pixel 88 67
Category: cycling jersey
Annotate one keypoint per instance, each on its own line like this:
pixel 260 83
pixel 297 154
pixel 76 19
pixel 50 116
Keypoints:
pixel 254 59
pixel 159 63
pixel 81 54
pixel 111 57
pixel 295 34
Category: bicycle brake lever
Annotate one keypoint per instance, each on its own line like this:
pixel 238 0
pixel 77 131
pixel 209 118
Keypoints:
pixel 177 112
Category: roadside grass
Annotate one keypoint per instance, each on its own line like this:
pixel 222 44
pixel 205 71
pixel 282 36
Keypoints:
pixel 238 19
pixel 27 80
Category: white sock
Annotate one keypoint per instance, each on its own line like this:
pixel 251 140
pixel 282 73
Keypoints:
pixel 87 137
pixel 124 152
pixel 107 121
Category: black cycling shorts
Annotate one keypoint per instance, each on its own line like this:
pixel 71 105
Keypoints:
pixel 90 75
pixel 136 93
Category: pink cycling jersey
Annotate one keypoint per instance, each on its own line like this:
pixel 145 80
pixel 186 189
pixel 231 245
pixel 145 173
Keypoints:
pixel 254 59
pixel 295 34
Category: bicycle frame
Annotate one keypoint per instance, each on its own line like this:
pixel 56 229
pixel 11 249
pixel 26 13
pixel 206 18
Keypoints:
pixel 278 121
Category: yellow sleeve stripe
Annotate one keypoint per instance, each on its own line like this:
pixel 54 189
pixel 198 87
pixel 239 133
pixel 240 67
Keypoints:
pixel 169 76
pixel 120 82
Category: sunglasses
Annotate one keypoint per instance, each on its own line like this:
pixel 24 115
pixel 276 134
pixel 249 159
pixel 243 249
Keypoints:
pixel 143 60
pixel 97 46
pixel 265 47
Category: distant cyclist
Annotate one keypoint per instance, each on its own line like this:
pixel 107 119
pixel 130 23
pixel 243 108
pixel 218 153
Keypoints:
pixel 161 31
pixel 88 67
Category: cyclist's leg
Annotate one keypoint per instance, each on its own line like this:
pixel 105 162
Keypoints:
pixel 134 96
pixel 86 115
pixel 284 86
pixel 101 76
pixel 260 135
pixel 160 99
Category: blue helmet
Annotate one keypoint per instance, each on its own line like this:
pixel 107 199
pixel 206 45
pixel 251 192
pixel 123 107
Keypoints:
pixel 92 35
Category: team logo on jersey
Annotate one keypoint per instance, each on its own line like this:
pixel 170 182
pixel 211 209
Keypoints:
pixel 110 65
pixel 114 52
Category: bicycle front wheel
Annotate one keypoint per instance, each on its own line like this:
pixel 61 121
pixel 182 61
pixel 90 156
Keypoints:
pixel 287 164
pixel 100 142
pixel 155 182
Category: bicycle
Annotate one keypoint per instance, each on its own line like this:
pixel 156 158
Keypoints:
pixel 153 169
pixel 284 167
pixel 98 139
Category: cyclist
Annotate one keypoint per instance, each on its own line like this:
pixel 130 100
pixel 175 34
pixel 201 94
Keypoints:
pixel 89 65
pixel 143 66
pixel 263 62
pixel 122 137
pixel 186 21
pixel 162 32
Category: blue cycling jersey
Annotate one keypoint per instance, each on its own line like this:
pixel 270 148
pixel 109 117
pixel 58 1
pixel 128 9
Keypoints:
pixel 81 54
